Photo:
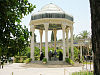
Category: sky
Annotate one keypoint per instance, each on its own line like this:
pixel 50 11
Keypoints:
pixel 79 9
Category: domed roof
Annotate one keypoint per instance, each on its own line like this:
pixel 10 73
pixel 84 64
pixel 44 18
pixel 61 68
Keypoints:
pixel 51 7
pixel 51 11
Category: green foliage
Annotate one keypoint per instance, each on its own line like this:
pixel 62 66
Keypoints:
pixel 83 73
pixel 87 62
pixel 20 59
pixel 37 51
pixel 76 52
pixel 52 36
pixel 27 60
pixel 34 37
pixel 58 51
pixel 44 60
pixel 14 37
pixel 84 34
pixel 27 51
pixel 68 60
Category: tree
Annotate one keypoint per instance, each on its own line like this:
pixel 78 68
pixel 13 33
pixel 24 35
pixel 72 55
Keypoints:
pixel 34 37
pixel 52 36
pixel 14 38
pixel 95 25
pixel 84 34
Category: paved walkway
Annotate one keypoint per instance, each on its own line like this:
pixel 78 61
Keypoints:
pixel 24 69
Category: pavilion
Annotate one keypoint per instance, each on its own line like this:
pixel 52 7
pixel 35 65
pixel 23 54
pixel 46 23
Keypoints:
pixel 52 18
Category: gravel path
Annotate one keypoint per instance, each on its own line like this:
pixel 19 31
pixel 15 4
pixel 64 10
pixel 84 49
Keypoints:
pixel 36 69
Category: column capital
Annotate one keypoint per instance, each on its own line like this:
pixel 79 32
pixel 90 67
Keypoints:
pixel 46 25
pixel 32 27
pixel 41 30
pixel 54 31
pixel 63 27
pixel 67 30
pixel 64 23
pixel 71 27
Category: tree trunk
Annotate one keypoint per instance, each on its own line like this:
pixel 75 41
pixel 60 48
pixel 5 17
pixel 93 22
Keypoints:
pixel 95 24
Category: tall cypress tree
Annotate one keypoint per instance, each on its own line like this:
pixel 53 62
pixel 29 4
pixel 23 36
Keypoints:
pixel 52 36
pixel 34 37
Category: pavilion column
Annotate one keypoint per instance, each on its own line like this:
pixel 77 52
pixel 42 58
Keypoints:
pixel 32 29
pixel 72 51
pixel 55 32
pixel 64 52
pixel 41 33
pixel 81 51
pixel 67 31
pixel 46 25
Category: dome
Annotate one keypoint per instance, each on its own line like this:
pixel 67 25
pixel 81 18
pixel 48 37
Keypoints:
pixel 51 8
pixel 51 11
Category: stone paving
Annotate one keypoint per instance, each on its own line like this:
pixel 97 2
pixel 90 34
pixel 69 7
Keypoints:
pixel 26 69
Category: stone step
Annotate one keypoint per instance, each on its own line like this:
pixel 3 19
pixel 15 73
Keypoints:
pixel 51 62
pixel 57 62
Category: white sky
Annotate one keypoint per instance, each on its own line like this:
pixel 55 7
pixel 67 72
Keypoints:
pixel 79 9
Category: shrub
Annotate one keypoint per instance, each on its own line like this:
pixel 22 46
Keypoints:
pixel 83 73
pixel 76 53
pixel 44 60
pixel 16 59
pixel 20 59
pixel 71 62
pixel 37 57
pixel 68 60
pixel 27 60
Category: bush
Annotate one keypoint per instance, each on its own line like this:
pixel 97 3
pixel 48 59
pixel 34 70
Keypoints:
pixel 37 57
pixel 68 60
pixel 19 59
pixel 76 53
pixel 83 73
pixel 44 60
pixel 27 60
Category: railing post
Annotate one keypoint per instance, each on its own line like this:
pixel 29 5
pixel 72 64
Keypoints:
pixel 64 71
pixel 12 73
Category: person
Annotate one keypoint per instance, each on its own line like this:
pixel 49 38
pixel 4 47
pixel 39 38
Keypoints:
pixel 50 54
pixel 41 56
pixel 55 55
pixel 2 61
pixel 60 56
pixel 79 57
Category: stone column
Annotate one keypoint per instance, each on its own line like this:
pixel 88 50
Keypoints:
pixel 67 31
pixel 46 25
pixel 80 51
pixel 41 33
pixel 32 29
pixel 72 51
pixel 55 32
pixel 64 52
